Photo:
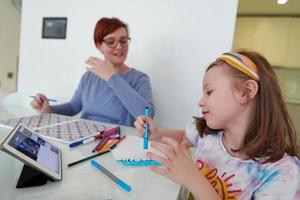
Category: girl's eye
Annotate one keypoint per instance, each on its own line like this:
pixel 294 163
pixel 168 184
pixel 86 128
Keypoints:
pixel 209 92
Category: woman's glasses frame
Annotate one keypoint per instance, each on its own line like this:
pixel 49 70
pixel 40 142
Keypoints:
pixel 113 43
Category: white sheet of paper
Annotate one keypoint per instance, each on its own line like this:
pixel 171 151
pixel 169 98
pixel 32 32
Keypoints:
pixel 132 149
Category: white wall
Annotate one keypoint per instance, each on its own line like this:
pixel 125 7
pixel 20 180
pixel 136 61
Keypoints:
pixel 9 45
pixel 173 41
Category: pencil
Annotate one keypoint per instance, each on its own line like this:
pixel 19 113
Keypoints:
pixel 114 145
pixel 87 158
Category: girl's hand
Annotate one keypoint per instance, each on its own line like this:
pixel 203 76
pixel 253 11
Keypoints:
pixel 178 164
pixel 41 104
pixel 103 69
pixel 140 124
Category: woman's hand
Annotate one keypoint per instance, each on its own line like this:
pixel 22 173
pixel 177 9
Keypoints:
pixel 177 162
pixel 140 124
pixel 41 104
pixel 102 68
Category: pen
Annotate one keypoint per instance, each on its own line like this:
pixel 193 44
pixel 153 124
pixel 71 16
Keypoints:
pixel 53 100
pixel 97 154
pixel 111 176
pixel 146 131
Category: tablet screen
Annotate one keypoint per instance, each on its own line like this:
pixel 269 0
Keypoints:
pixel 36 148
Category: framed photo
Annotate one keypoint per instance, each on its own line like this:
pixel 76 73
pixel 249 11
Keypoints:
pixel 54 27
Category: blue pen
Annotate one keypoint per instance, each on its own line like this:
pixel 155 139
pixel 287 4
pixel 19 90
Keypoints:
pixel 53 100
pixel 146 131
pixel 110 175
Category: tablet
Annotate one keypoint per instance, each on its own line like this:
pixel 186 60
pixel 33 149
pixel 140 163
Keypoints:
pixel 30 148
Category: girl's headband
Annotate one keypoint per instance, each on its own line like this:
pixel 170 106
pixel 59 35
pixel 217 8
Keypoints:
pixel 242 63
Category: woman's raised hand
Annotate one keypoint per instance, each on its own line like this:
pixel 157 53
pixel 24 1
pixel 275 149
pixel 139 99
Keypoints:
pixel 41 104
pixel 102 68
pixel 140 124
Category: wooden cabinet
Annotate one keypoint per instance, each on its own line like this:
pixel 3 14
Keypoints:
pixel 244 33
pixel 277 38
pixel 271 38
pixel 293 53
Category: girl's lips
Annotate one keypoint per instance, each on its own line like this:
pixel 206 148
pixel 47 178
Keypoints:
pixel 205 113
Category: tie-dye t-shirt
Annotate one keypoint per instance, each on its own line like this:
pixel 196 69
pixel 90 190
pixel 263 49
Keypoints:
pixel 234 178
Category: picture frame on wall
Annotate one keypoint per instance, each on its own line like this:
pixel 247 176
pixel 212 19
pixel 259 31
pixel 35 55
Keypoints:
pixel 54 28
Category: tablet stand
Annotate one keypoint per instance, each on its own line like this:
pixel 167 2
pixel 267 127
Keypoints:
pixel 30 177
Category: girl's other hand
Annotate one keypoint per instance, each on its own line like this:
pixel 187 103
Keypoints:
pixel 177 162
pixel 140 124
pixel 41 104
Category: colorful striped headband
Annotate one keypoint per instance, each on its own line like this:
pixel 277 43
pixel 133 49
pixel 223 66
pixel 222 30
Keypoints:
pixel 242 63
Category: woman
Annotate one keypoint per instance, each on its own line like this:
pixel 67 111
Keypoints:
pixel 110 91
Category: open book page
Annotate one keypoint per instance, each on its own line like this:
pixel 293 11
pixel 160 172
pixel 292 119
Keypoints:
pixel 130 152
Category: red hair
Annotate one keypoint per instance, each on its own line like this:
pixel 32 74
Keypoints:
pixel 107 26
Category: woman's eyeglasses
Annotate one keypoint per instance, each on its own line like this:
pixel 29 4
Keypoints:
pixel 112 42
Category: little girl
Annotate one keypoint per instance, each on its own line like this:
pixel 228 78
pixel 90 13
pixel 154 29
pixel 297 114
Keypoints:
pixel 245 143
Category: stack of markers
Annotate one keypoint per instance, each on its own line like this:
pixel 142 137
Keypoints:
pixel 107 139
pixel 103 136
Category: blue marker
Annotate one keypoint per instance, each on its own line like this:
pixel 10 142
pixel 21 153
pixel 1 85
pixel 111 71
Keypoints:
pixel 146 131
pixel 53 100
pixel 110 175
pixel 79 142
pixel 86 140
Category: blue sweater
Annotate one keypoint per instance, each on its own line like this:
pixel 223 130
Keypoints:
pixel 119 100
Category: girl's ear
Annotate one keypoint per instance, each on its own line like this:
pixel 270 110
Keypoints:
pixel 250 91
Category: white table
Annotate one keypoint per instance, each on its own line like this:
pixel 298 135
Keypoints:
pixel 83 181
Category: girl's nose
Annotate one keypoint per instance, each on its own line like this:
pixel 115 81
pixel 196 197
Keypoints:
pixel 201 102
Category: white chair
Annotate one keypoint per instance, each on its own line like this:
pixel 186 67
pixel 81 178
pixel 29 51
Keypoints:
pixel 17 99
pixel 18 104
pixel 4 94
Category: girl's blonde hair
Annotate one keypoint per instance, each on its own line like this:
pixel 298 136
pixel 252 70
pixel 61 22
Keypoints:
pixel 271 133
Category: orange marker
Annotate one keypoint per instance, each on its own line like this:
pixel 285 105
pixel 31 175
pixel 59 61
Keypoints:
pixel 108 144
pixel 100 144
